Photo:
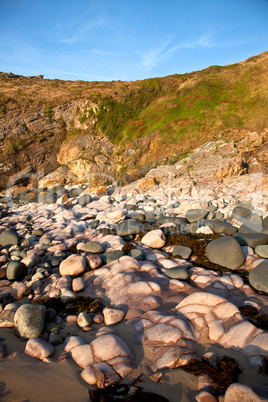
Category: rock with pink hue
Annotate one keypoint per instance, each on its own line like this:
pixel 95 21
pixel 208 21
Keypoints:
pixel 78 284
pixel 7 319
pixel 154 239
pixel 205 396
pixel 98 319
pixel 93 261
pixel 73 341
pixel 73 265
pixel 38 348
pixel 71 318
pixel 82 355
pixel 105 360
pixel 65 282
pixel 221 322
pixel 31 260
pixel 54 292
pixel 112 316
pixel 4 282
pixel 57 247
pixel 100 374
pixel 19 290
pixel 241 392
pixel 114 215
pixel 84 319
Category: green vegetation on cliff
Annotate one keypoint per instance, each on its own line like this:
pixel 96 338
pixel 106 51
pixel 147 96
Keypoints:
pixel 181 111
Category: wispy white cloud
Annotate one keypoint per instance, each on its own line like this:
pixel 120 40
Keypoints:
pixel 155 56
pixel 104 52
pixel 78 31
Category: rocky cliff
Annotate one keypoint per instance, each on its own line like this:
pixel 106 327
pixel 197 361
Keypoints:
pixel 105 133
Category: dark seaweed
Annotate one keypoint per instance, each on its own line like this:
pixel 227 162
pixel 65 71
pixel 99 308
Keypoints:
pixel 223 374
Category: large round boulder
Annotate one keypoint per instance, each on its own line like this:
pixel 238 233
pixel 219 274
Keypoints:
pixel 16 271
pixel 226 252
pixel 9 238
pixel 128 227
pixel 74 265
pixel 258 277
pixel 29 320
pixel 194 215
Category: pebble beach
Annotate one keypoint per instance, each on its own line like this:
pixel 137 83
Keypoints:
pixel 133 290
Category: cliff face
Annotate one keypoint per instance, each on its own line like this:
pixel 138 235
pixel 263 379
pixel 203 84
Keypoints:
pixel 100 133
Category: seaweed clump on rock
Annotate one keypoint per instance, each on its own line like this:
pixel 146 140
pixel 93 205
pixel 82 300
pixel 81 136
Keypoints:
pixel 198 243
pixel 124 392
pixel 256 317
pixel 73 306
pixel 223 374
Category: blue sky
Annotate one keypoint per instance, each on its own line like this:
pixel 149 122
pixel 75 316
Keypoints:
pixel 128 39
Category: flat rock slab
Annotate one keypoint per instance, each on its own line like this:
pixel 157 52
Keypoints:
pixel 105 360
pixel 226 252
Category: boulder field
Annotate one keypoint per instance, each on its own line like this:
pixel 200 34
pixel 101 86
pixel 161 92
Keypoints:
pixel 184 275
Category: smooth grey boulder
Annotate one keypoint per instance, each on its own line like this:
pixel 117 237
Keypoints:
pixel 223 227
pixel 174 219
pixel 265 222
pixel 137 254
pixel 251 239
pixel 194 215
pixel 29 320
pixel 111 256
pixel 16 271
pixel 92 247
pixel 47 197
pixel 247 217
pixel 38 232
pixel 177 273
pixel 258 277
pixel 226 252
pixel 128 227
pixel 262 250
pixel 75 192
pixel 45 240
pixel 84 199
pixel 240 212
pixel 9 238
pixel 182 252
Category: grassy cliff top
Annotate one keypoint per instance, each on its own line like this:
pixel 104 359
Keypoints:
pixel 183 108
